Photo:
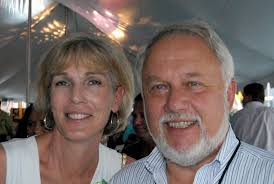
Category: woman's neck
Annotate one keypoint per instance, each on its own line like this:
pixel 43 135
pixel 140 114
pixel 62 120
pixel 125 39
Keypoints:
pixel 70 158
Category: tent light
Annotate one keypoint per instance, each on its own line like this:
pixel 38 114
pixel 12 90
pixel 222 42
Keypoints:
pixel 118 34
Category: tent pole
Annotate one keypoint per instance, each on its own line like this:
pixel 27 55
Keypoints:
pixel 28 53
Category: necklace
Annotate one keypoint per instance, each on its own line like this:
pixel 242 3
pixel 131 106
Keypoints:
pixel 229 162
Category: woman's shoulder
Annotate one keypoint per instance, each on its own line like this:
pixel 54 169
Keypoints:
pixel 20 148
pixel 119 159
pixel 22 160
pixel 19 143
pixel 110 162
pixel 106 152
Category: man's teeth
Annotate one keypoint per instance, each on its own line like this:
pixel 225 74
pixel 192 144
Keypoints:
pixel 78 116
pixel 183 124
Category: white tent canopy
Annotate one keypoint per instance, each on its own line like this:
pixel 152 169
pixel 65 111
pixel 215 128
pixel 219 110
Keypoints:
pixel 246 26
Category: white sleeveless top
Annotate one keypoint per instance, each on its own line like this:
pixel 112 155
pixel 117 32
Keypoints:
pixel 23 162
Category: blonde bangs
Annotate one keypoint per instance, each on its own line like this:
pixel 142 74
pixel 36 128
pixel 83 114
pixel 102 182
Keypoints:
pixel 91 58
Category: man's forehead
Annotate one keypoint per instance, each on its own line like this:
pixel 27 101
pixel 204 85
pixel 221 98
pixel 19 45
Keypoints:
pixel 149 76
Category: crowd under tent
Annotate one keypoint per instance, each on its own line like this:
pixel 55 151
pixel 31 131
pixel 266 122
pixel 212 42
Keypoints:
pixel 28 28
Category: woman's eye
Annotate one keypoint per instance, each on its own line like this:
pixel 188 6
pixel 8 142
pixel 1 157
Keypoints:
pixel 94 82
pixel 61 83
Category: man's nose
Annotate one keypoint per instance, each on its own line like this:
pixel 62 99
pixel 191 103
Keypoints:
pixel 177 100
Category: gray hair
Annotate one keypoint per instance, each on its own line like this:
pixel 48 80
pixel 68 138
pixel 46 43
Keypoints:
pixel 194 28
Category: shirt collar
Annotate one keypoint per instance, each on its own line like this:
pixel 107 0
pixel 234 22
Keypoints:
pixel 254 103
pixel 155 161
pixel 229 145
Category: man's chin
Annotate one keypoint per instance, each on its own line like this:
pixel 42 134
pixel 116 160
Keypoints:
pixel 192 154
pixel 183 156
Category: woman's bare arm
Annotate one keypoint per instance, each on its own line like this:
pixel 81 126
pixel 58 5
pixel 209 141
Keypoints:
pixel 2 165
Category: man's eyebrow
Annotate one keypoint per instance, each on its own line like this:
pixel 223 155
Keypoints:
pixel 188 75
pixel 193 74
pixel 151 78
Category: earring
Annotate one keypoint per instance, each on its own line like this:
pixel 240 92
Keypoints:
pixel 49 122
pixel 112 123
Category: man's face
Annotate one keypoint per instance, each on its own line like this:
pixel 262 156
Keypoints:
pixel 184 94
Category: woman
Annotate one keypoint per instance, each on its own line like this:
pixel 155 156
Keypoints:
pixel 85 89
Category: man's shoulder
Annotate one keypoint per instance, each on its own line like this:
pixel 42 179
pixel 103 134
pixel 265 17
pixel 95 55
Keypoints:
pixel 235 118
pixel 260 108
pixel 266 114
pixel 253 165
pixel 132 173
pixel 256 154
pixel 268 110
pixel 240 112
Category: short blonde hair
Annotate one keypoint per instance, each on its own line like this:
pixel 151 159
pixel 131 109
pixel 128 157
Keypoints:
pixel 97 54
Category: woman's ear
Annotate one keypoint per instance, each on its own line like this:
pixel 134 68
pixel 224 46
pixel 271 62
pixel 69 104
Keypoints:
pixel 118 98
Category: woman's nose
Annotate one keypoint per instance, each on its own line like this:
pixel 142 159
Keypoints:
pixel 77 94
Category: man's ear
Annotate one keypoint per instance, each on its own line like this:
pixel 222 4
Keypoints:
pixel 231 91
pixel 118 98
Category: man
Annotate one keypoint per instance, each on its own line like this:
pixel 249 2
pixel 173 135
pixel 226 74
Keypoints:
pixel 188 89
pixel 140 144
pixel 254 124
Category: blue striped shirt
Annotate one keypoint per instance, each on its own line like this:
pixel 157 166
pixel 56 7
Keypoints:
pixel 251 165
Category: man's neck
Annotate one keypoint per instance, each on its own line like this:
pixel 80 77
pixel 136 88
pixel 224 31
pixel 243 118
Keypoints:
pixel 186 174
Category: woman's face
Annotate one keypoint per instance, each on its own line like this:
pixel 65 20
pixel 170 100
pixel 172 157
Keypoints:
pixel 81 102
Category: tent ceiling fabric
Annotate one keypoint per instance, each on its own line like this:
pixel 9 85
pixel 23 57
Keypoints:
pixel 245 25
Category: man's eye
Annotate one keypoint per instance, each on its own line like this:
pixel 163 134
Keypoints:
pixel 159 87
pixel 61 83
pixel 194 85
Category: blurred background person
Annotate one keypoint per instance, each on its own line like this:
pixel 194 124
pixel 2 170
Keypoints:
pixel 36 123
pixel 85 89
pixel 32 123
pixel 254 124
pixel 140 144
pixel 6 122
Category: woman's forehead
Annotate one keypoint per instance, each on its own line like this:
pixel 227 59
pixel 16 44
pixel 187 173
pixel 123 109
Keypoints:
pixel 90 65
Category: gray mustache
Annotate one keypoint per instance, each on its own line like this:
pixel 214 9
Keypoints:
pixel 175 116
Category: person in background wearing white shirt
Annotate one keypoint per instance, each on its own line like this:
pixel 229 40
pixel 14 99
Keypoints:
pixel 254 124
pixel 188 87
